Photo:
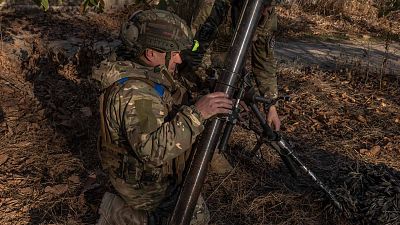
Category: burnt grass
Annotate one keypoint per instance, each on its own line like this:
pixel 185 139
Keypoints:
pixel 346 131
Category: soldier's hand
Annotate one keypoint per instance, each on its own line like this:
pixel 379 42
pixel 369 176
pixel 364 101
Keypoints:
pixel 273 119
pixel 192 58
pixel 214 103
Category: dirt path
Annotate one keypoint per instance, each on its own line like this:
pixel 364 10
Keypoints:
pixel 365 55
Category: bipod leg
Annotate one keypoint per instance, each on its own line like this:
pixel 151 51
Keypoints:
pixel 287 155
pixel 257 148
pixel 285 149
pixel 271 137
pixel 256 151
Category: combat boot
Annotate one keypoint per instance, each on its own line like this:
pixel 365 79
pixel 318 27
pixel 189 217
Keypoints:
pixel 219 164
pixel 114 211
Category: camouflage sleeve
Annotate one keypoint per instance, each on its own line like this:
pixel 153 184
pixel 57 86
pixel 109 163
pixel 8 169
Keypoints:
pixel 139 113
pixel 263 60
pixel 207 32
pixel 202 14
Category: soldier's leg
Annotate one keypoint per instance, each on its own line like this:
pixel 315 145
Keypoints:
pixel 201 215
pixel 263 60
pixel 203 12
pixel 264 65
pixel 114 211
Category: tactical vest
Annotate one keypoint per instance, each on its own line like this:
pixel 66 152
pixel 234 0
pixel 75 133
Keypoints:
pixel 118 160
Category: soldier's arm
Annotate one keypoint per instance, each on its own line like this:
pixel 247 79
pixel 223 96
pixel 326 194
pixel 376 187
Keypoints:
pixel 264 64
pixel 263 59
pixel 142 118
pixel 208 30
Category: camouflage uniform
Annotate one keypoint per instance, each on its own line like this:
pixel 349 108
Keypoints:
pixel 216 26
pixel 145 140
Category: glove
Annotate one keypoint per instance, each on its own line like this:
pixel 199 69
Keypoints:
pixel 193 57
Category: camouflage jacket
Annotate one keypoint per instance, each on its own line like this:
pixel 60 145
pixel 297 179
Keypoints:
pixel 147 132
pixel 215 26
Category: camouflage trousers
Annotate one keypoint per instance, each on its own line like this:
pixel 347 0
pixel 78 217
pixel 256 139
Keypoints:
pixel 262 53
pixel 202 14
pixel 114 210
pixel 263 63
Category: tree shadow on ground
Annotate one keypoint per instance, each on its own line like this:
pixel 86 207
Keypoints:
pixel 383 32
pixel 328 124
pixel 60 77
pixel 70 106
pixel 263 192
pixel 287 25
pixel 1 115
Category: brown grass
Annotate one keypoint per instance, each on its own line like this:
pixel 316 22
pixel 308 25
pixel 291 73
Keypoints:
pixel 343 19
pixel 349 7
pixel 48 155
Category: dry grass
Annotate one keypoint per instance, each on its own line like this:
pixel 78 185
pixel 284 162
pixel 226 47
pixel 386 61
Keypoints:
pixel 48 155
pixel 338 20
pixel 373 8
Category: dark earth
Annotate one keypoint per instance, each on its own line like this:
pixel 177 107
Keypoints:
pixel 343 121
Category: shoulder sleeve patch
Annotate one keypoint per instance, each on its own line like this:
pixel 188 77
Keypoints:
pixel 147 119
pixel 159 89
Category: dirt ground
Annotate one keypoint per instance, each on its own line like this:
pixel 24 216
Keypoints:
pixel 345 128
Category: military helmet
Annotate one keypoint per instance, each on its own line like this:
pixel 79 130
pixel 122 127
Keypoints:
pixel 156 29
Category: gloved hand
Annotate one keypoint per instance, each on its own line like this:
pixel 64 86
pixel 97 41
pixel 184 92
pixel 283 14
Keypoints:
pixel 193 59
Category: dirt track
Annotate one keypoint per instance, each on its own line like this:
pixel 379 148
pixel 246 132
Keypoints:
pixel 345 127
pixel 366 55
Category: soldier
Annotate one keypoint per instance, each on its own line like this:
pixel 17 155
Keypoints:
pixel 215 29
pixel 147 131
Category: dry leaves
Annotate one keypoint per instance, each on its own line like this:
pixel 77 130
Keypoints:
pixel 373 152
pixel 74 179
pixel 86 111
pixel 3 158
pixel 58 189
pixel 361 119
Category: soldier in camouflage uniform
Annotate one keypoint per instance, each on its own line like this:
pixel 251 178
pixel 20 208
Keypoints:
pixel 147 131
pixel 214 26
pixel 215 30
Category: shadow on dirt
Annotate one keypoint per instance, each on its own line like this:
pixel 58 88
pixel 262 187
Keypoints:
pixel 60 78
pixel 369 193
pixel 69 100
pixel 383 32
pixel 1 115
pixel 70 106
pixel 324 126
pixel 293 25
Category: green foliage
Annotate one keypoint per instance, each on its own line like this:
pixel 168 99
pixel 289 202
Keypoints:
pixel 97 5
pixel 44 4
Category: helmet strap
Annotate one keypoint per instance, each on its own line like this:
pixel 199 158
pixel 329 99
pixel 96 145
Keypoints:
pixel 167 59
